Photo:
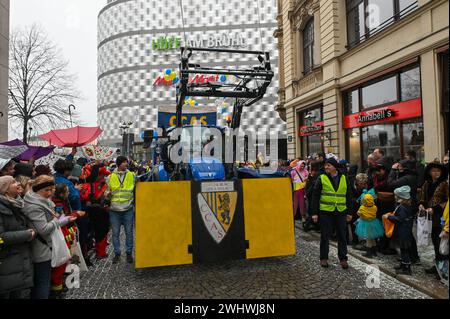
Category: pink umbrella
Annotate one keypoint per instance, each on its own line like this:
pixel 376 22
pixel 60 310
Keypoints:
pixel 72 137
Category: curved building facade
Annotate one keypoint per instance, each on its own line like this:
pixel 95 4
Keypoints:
pixel 139 40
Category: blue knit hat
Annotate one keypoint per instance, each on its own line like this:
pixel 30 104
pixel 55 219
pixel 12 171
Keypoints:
pixel 403 192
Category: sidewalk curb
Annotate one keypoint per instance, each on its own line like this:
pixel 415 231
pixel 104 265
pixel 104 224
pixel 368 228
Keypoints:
pixel 387 271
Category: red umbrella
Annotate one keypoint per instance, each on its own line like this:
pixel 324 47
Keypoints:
pixel 72 137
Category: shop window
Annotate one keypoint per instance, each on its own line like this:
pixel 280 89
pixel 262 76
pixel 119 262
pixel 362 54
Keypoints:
pixel 413 139
pixel 315 144
pixel 410 84
pixel 383 136
pixel 311 131
pixel 308 47
pixel 380 93
pixel 380 13
pixel 368 17
pixel 407 6
pixel 354 146
pixel 351 100
pixel 356 27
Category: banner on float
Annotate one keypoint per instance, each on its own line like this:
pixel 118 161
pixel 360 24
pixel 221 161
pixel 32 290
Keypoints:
pixel 194 116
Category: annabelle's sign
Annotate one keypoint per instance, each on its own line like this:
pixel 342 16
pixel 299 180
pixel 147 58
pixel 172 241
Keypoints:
pixel 198 79
pixel 376 116
pixel 391 113
pixel 317 128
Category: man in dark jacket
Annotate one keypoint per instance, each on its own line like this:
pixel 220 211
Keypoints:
pixel 320 159
pixel 419 167
pixel 331 198
pixel 404 174
pixel 313 176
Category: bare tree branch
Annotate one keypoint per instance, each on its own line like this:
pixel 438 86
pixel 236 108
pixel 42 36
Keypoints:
pixel 40 85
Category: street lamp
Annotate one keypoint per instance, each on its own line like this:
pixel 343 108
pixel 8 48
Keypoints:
pixel 70 113
pixel 125 126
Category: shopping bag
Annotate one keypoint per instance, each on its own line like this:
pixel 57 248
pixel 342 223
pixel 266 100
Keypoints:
pixel 388 226
pixel 443 247
pixel 424 225
pixel 77 257
pixel 442 268
pixel 60 251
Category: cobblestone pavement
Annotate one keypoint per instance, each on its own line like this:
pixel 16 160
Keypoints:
pixel 419 279
pixel 297 277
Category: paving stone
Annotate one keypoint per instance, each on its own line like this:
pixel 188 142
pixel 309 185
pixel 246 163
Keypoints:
pixel 295 277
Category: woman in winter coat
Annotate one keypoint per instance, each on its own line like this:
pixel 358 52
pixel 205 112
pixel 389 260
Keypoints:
pixel 16 267
pixel 433 198
pixel 40 210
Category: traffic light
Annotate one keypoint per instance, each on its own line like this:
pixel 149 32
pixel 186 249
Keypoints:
pixel 148 138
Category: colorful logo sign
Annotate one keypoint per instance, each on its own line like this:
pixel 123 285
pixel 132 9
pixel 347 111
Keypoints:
pixel 217 210
pixel 167 119
pixel 166 43
pixel 391 113
pixel 224 40
pixel 315 129
pixel 170 78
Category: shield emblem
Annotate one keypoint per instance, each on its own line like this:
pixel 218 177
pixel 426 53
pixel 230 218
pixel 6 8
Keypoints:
pixel 217 210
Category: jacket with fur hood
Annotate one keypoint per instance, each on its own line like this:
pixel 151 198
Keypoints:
pixel 40 212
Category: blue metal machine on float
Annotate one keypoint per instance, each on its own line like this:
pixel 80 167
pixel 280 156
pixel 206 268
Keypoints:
pixel 202 208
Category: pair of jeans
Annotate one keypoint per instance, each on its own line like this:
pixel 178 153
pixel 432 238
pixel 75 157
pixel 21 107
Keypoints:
pixel 126 219
pixel 42 275
pixel 328 222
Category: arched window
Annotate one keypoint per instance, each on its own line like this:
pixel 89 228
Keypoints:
pixel 308 47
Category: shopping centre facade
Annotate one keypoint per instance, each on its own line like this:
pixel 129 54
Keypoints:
pixel 139 45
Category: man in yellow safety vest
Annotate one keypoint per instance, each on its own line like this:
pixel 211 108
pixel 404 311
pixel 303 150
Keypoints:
pixel 331 199
pixel 121 185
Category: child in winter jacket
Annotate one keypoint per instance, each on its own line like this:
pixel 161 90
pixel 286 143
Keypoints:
pixel 368 226
pixel 403 220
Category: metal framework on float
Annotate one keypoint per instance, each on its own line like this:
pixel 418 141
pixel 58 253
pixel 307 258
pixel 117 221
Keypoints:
pixel 251 86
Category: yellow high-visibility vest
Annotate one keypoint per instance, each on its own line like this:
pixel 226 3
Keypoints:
pixel 331 200
pixel 121 191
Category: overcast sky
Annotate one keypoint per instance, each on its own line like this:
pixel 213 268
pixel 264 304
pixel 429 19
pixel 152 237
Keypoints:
pixel 72 26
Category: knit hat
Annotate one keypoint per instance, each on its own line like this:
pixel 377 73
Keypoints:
pixel 343 162
pixel 403 192
pixel 5 182
pixel 368 201
pixel 332 161
pixel 23 169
